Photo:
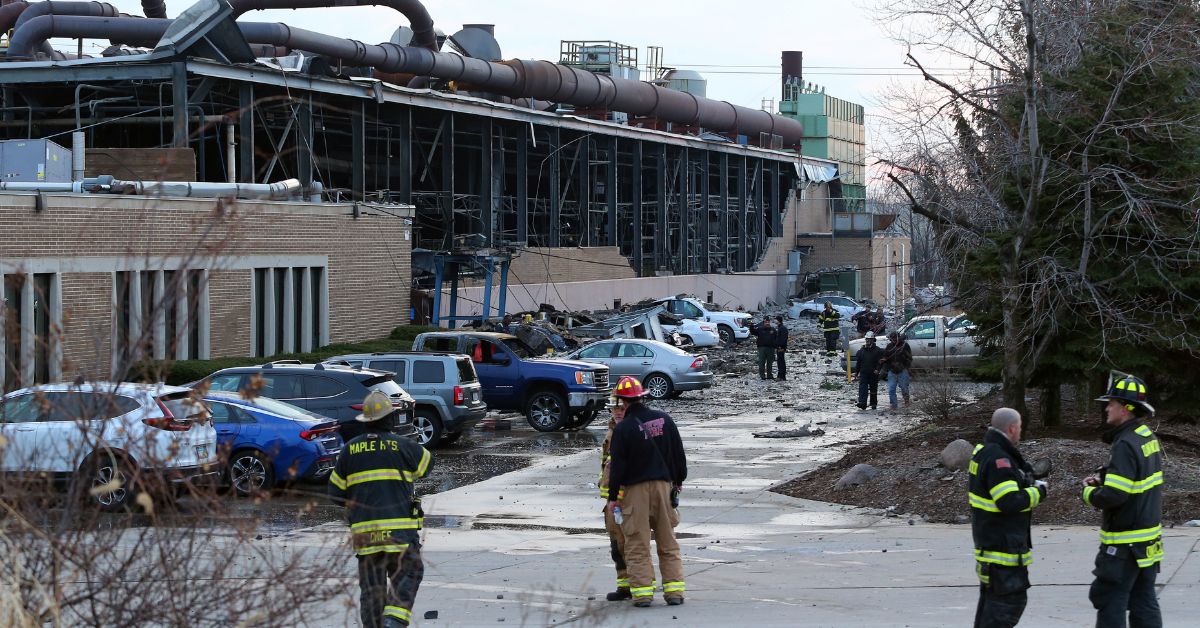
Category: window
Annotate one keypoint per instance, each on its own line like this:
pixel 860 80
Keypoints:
pixel 630 350
pixel 160 314
pixel 689 310
pixel 959 323
pixel 22 409
pixel 392 366
pixel 226 383
pixel 320 387
pixel 597 351
pixel 428 372
pixel 31 318
pixel 226 413
pixel 289 309
pixel 41 327
pixel 466 371
pixel 442 344
pixel 13 302
pixel 278 386
pixel 923 330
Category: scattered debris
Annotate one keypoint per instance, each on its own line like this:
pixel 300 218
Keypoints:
pixel 956 455
pixel 781 419
pixel 1194 523
pixel 431 614
pixel 807 430
pixel 858 474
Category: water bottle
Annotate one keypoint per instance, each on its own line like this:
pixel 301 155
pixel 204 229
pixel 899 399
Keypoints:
pixel 617 516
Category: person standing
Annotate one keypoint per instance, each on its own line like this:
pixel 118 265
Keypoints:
pixel 781 345
pixel 878 321
pixel 830 321
pixel 765 341
pixel 373 479
pixel 866 371
pixel 616 539
pixel 1129 493
pixel 897 360
pixel 647 472
pixel 862 321
pixel 1002 494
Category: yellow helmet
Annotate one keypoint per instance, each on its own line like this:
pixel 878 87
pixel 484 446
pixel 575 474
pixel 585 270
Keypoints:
pixel 376 406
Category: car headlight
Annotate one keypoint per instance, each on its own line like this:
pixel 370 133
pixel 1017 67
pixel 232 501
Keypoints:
pixel 585 378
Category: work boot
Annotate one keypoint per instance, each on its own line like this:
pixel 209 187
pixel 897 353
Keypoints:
pixel 675 600
pixel 644 602
pixel 622 593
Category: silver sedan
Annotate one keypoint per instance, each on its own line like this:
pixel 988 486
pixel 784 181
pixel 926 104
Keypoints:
pixel 664 371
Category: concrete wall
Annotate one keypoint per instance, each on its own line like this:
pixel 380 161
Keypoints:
pixel 871 255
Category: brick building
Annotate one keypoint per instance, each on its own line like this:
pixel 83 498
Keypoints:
pixel 94 282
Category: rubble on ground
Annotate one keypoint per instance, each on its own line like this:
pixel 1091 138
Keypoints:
pixel 859 474
pixel 807 430
pixel 956 455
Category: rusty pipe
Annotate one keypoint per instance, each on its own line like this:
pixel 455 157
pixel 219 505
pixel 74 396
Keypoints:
pixel 418 16
pixel 9 14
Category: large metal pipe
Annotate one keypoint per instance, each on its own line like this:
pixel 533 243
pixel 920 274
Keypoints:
pixel 56 7
pixel 418 16
pixel 106 184
pixel 154 8
pixel 9 14
pixel 539 80
pixel 793 68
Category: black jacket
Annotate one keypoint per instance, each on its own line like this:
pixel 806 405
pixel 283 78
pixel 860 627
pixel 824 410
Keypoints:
pixel 829 321
pixel 1131 494
pixel 645 446
pixel 866 361
pixel 374 479
pixel 897 357
pixel 764 334
pixel 860 321
pixel 1002 498
pixel 781 337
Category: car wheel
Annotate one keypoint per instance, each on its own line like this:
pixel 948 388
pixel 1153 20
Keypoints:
pixel 726 333
pixel 452 437
pixel 109 480
pixel 429 428
pixel 547 411
pixel 250 473
pixel 658 386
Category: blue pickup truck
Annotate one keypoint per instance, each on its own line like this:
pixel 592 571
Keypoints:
pixel 553 394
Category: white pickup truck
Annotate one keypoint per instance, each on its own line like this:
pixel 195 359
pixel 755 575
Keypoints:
pixel 731 326
pixel 936 341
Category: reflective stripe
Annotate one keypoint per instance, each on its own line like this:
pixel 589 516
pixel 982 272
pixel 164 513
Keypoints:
pixel 1142 430
pixel 1127 485
pixel 1035 497
pixel 622 583
pixel 642 591
pixel 1004 488
pixel 1087 494
pixel 1131 536
pixel 982 503
pixel 374 475
pixel 1154 554
pixel 390 548
pixel 337 480
pixel 1151 448
pixel 1149 561
pixel 399 613
pixel 979 572
pixel 404 523
pixel 424 466
pixel 604 492
pixel 1004 558
pixel 973 468
pixel 673 587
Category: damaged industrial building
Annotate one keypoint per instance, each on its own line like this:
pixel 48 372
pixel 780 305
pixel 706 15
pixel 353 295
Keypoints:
pixel 488 185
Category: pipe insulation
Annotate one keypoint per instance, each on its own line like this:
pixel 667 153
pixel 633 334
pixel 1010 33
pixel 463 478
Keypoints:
pixel 279 191
pixel 538 80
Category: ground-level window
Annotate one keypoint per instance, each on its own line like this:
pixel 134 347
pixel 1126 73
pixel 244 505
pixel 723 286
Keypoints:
pixel 30 321
pixel 289 309
pixel 160 314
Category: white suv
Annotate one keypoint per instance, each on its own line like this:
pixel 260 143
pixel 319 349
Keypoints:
pixel 98 432
pixel 731 326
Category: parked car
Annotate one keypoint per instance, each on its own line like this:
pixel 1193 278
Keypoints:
pixel 329 390
pixel 267 441
pixel 731 326
pixel 700 334
pixel 814 305
pixel 444 386
pixel 936 342
pixel 553 393
pixel 99 432
pixel 664 371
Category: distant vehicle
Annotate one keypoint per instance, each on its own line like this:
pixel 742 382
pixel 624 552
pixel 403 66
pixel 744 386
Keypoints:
pixel 329 390
pixel 814 305
pixel 699 334
pixel 664 371
pixel 267 441
pixel 554 394
pixel 731 326
pixel 936 342
pixel 444 386
pixel 102 432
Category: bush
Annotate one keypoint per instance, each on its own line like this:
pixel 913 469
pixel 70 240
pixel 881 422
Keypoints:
pixel 186 371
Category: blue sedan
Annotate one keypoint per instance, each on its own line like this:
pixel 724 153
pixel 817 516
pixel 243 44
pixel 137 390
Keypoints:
pixel 268 441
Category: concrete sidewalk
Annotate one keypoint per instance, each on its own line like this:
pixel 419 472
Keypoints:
pixel 528 548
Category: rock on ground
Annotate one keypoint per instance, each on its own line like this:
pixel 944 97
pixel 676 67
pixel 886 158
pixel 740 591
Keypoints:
pixel 956 455
pixel 858 474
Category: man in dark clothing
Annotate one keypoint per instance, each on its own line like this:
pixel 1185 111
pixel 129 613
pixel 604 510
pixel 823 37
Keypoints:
pixel 897 359
pixel 1129 492
pixel 1002 494
pixel 877 321
pixel 781 345
pixel 866 370
pixel 645 475
pixel 765 335
pixel 374 479
pixel 830 323
pixel 862 321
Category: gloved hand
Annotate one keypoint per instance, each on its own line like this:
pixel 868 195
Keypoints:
pixel 1042 484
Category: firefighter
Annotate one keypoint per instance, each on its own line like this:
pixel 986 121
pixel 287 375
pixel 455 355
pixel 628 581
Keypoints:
pixel 1129 492
pixel 616 540
pixel 647 471
pixel 829 320
pixel 374 478
pixel 1002 494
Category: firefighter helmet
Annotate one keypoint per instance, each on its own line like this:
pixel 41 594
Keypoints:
pixel 629 388
pixel 1129 389
pixel 376 406
pixel 870 335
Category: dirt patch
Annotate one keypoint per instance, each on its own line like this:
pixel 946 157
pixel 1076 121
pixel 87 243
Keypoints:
pixel 910 480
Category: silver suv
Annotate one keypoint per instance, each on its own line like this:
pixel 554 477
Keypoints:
pixel 448 396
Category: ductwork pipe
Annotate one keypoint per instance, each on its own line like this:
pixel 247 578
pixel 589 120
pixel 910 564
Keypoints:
pixel 418 17
pixel 18 186
pixel 89 9
pixel 154 8
pixel 9 14
pixel 78 155
pixel 278 191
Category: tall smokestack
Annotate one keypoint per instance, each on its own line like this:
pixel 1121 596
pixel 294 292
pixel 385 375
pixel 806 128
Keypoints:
pixel 793 68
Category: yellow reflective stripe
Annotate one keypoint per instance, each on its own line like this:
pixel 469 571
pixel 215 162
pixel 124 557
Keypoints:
pixel 390 548
pixel 1149 561
pixel 642 591
pixel 374 475
pixel 1127 485
pixel 424 466
pixel 337 480
pixel 1087 494
pixel 1131 536
pixel 623 583
pixel 621 494
pixel 673 587
pixel 1004 558
pixel 1143 431
pixel 402 614
pixel 1035 497
pixel 979 572
pixel 973 468
pixel 982 503
pixel 404 523
pixel 1004 488
pixel 977 448
pixel 1151 448
pixel 604 491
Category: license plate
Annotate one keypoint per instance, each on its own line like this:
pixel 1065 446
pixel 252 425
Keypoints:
pixel 475 396
pixel 201 452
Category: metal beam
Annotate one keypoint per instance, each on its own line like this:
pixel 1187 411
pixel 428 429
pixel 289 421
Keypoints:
pixel 584 165
pixel 776 210
pixel 246 132
pixel 636 185
pixel 554 188
pixel 304 142
pixel 59 73
pixel 723 213
pixel 179 105
pixel 487 175
pixel 447 150
pixel 610 194
pixel 705 260
pixel 662 239
pixel 743 213
pixel 523 186
pixel 404 155
pixel 358 153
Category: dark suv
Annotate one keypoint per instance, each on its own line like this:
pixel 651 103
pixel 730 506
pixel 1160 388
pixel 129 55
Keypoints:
pixel 331 390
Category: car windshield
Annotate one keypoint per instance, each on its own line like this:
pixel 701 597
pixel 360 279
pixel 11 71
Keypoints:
pixel 285 410
pixel 521 349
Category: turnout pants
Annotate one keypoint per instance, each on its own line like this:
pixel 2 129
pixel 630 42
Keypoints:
pixel 388 583
pixel 765 355
pixel 647 510
pixel 1002 595
pixel 1122 587
pixel 616 545
pixel 831 338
